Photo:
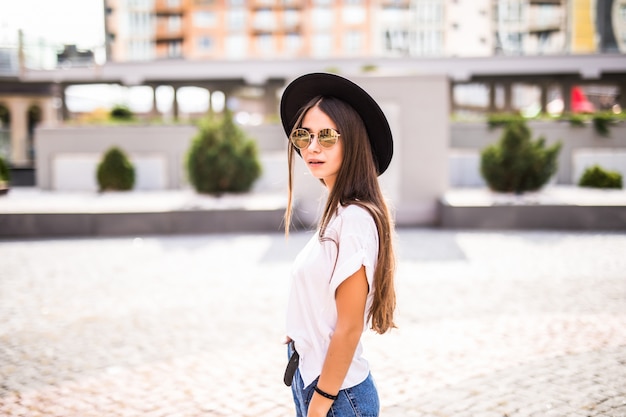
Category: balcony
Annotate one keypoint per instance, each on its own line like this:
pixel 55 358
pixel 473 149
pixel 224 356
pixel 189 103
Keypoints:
pixel 276 4
pixel 165 33
pixel 542 20
pixel 167 7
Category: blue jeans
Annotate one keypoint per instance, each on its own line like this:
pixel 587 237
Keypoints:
pixel 358 401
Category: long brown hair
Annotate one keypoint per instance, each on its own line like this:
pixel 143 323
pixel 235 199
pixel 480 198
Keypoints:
pixel 357 183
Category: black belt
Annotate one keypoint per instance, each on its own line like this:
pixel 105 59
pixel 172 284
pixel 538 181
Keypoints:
pixel 292 365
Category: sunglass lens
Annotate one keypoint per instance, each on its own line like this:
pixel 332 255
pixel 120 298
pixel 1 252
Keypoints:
pixel 327 138
pixel 300 138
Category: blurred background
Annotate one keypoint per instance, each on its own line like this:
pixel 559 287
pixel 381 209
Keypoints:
pixel 72 63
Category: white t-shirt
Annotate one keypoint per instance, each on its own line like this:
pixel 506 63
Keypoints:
pixel 317 272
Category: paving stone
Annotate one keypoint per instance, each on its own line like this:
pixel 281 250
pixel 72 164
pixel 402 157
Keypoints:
pixel 489 324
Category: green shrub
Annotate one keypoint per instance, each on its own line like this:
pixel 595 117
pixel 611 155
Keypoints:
pixel 222 158
pixel 602 122
pixel 5 174
pixel 5 116
pixel 115 171
pixel 369 68
pixel 121 112
pixel 576 120
pixel 516 163
pixel 597 177
pixel 502 119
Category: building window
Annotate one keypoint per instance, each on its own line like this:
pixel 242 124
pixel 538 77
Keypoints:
pixel 293 43
pixel 429 11
pixel 205 44
pixel 322 19
pixel 236 19
pixel 353 42
pixel 139 23
pixel 354 15
pixel 204 19
pixel 174 23
pixel 264 44
pixel 139 50
pixel 237 46
pixel 264 19
pixel 291 19
pixel 174 49
pixel 397 40
pixel 510 11
pixel 138 4
pixel 322 45
pixel 429 42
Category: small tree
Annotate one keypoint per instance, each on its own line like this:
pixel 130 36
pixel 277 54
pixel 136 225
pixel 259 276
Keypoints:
pixel 121 112
pixel 597 177
pixel 5 177
pixel 602 123
pixel 5 174
pixel 516 163
pixel 115 171
pixel 221 158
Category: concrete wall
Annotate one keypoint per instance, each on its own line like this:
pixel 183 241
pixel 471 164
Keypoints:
pixel 581 147
pixel 418 109
pixel 67 157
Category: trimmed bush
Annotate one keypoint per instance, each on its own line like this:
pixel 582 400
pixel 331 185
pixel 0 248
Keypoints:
pixel 576 120
pixel 602 123
pixel 597 177
pixel 5 174
pixel 115 171
pixel 502 119
pixel 517 163
pixel 121 112
pixel 222 158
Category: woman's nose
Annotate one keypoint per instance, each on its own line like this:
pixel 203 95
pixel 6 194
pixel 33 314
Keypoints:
pixel 314 145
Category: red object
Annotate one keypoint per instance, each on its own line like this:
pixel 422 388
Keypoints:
pixel 580 104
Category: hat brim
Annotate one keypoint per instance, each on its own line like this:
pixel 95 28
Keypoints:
pixel 301 90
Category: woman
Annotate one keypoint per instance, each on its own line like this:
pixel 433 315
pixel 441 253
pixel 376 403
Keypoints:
pixel 342 280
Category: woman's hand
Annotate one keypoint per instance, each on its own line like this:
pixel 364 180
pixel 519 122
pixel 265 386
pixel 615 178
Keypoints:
pixel 319 406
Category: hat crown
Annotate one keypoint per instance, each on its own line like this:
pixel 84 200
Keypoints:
pixel 306 87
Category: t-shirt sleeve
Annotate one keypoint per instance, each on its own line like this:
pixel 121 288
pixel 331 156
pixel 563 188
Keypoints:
pixel 358 245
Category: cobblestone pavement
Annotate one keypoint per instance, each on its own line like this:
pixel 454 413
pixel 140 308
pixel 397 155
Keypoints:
pixel 490 324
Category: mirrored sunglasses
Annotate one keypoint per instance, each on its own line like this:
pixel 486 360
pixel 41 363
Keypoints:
pixel 301 138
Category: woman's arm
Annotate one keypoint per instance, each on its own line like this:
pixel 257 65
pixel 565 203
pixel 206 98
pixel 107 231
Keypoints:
pixel 350 298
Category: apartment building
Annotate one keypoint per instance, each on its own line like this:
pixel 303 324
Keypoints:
pixel 237 29
pixel 597 26
pixel 223 29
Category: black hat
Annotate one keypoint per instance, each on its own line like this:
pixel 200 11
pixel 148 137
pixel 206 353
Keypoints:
pixel 301 90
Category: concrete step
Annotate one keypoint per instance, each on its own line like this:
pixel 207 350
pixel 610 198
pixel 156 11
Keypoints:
pixel 29 212
pixel 553 208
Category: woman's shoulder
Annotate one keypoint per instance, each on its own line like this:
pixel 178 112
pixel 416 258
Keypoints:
pixel 354 215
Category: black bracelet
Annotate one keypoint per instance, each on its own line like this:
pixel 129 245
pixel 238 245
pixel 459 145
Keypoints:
pixel 325 394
